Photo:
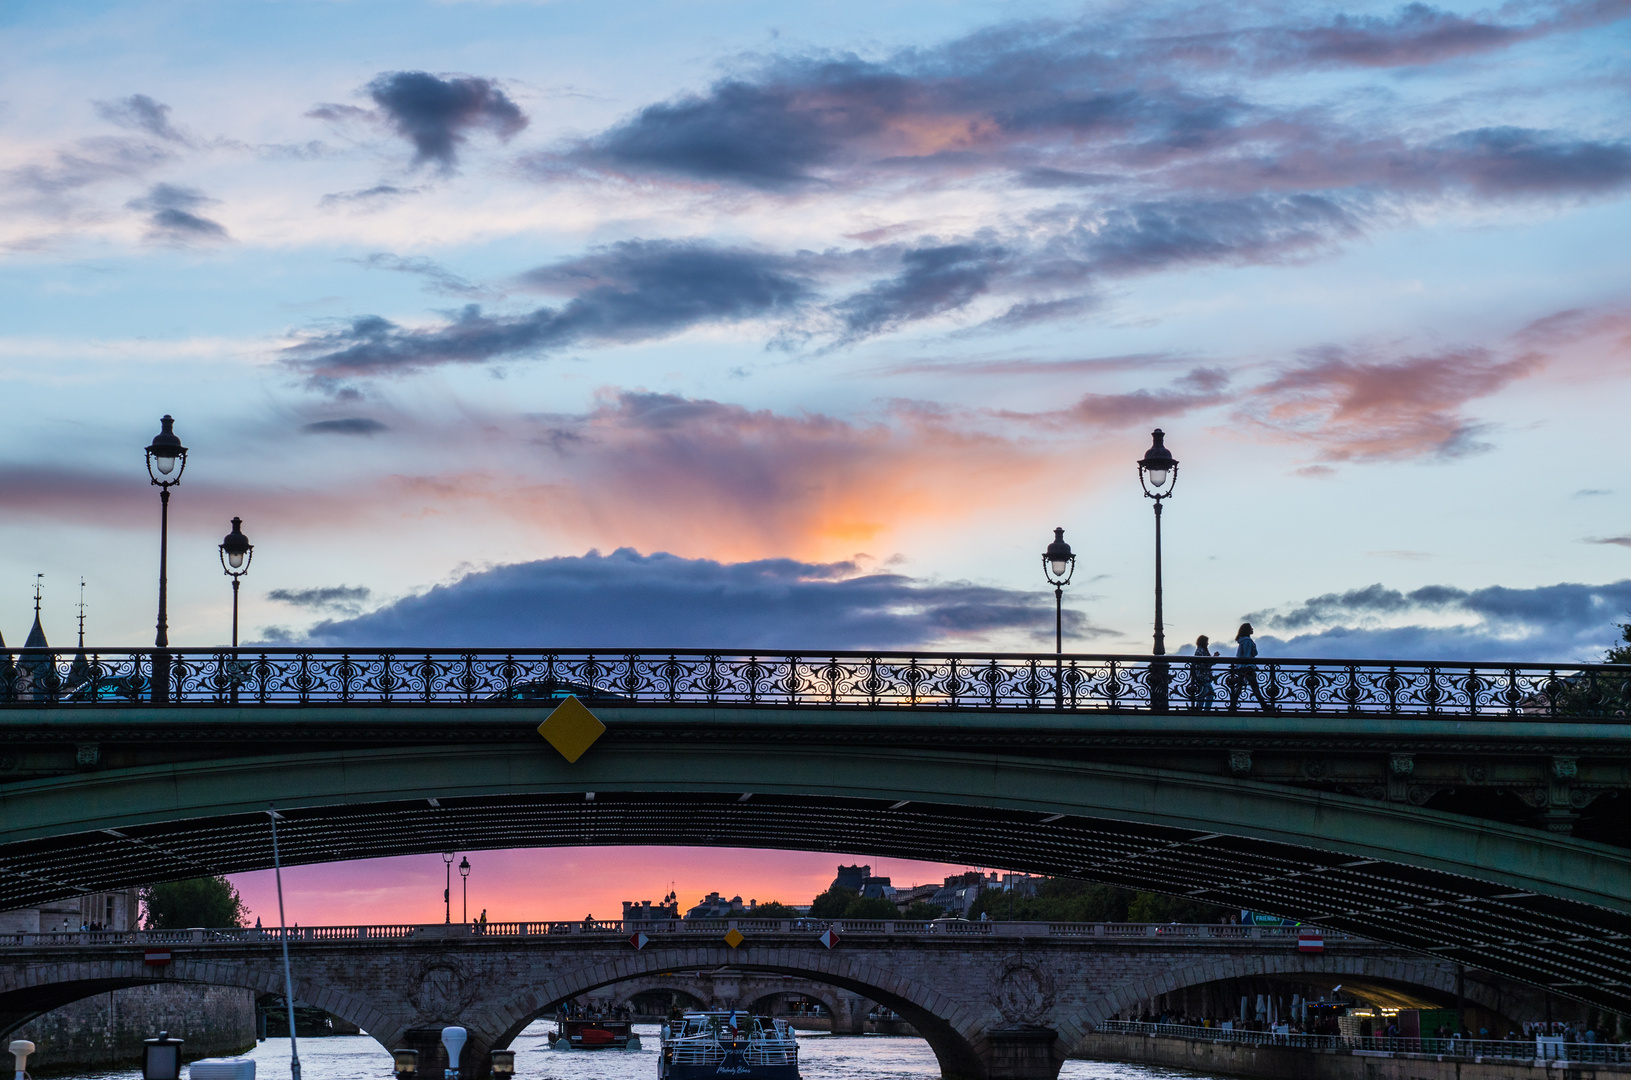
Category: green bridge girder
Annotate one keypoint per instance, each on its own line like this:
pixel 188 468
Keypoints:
pixel 1320 819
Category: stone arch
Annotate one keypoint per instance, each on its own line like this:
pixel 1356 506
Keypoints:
pixel 952 1029
pixel 1439 977
pixel 28 991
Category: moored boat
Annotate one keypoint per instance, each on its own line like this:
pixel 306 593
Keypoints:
pixel 714 1044
pixel 592 1033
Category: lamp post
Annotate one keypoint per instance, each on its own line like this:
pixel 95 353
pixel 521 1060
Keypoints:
pixel 1058 564
pixel 165 455
pixel 1158 475
pixel 447 891
pixel 236 554
pixel 464 873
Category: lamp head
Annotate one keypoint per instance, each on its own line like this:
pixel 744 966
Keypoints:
pixel 447 857
pixel 1058 562
pixel 236 550
pixel 166 455
pixel 464 867
pixel 1158 467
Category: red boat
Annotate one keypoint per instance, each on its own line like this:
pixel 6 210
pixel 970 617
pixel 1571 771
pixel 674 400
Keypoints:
pixel 584 1033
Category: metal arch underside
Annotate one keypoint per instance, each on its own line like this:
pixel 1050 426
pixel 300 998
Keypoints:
pixel 1550 911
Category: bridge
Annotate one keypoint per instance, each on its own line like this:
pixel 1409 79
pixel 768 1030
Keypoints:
pixel 992 999
pixel 1472 812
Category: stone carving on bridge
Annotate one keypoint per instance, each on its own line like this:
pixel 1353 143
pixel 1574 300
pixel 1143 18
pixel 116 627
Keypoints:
pixel 441 991
pixel 1025 993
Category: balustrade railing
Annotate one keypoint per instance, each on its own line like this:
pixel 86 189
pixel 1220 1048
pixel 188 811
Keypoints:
pixel 1523 1049
pixel 1153 933
pixel 1013 681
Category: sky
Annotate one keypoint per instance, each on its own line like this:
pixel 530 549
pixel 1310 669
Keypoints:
pixel 762 325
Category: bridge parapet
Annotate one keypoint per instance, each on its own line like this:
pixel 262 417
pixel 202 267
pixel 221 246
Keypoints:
pixel 1158 934
pixel 910 680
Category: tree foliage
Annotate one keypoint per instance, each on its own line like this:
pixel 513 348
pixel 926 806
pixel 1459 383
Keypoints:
pixel 179 905
pixel 773 909
pixel 1620 651
pixel 841 903
pixel 1069 900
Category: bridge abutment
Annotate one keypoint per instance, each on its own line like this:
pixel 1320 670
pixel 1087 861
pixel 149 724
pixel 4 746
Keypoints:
pixel 1020 1052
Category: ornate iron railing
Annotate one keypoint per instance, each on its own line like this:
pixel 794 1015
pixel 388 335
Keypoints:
pixel 1011 681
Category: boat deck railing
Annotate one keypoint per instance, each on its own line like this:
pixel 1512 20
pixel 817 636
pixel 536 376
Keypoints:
pixel 1541 1049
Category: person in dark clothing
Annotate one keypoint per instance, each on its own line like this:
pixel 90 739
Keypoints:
pixel 1245 674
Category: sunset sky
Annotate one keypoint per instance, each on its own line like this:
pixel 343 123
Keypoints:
pixel 765 325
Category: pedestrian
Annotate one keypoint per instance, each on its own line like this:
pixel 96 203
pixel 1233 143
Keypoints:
pixel 1201 693
pixel 1245 674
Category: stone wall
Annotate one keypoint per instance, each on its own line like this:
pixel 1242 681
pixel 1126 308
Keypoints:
pixel 107 1029
pixel 1272 1063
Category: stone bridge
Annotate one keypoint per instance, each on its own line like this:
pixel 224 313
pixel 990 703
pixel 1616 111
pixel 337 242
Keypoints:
pixel 733 988
pixel 996 1001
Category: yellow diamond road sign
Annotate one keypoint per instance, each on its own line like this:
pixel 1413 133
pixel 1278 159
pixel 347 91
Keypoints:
pixel 571 729
pixel 734 937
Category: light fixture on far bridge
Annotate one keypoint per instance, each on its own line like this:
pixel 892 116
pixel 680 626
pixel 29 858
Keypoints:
pixel 1158 469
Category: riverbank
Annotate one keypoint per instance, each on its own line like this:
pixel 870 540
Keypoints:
pixel 1258 1062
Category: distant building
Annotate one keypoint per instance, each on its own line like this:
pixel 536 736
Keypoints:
pixel 646 911
pixel 714 906
pixel 859 879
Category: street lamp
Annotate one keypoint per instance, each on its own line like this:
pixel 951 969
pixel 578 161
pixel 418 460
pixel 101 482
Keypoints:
pixel 1158 475
pixel 236 554
pixel 464 872
pixel 447 892
pixel 1057 565
pixel 165 455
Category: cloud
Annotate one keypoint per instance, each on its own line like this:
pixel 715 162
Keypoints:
pixel 347 425
pixel 342 598
pixel 1148 236
pixel 171 217
pixel 438 278
pixel 1201 387
pixel 629 600
pixel 1620 541
pixel 630 291
pixel 1359 408
pixel 1562 622
pixel 932 280
pixel 140 113
pixel 435 114
pixel 366 196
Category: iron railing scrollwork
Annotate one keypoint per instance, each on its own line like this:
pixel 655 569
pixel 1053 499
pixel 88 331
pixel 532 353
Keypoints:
pixel 1023 682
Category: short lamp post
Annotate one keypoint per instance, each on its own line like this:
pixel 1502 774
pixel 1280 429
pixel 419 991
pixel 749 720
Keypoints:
pixel 165 456
pixel 464 874
pixel 20 1049
pixel 236 554
pixel 1058 564
pixel 453 1039
pixel 503 1064
pixel 447 891
pixel 406 1063
pixel 161 1058
pixel 1158 475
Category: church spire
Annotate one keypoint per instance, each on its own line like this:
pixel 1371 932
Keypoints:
pixel 36 636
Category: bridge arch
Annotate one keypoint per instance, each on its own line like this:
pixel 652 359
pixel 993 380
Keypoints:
pixel 32 990
pixel 1436 977
pixel 955 1031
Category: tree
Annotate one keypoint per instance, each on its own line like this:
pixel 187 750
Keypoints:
pixel 922 910
pixel 179 905
pixel 1620 652
pixel 772 909
pixel 841 903
pixel 1070 900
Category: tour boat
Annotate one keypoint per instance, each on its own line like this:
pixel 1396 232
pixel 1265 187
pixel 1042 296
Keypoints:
pixel 584 1033
pixel 708 1045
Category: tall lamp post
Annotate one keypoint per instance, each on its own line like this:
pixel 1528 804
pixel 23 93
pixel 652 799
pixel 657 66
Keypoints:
pixel 447 892
pixel 1058 564
pixel 1158 475
pixel 464 872
pixel 165 455
pixel 236 554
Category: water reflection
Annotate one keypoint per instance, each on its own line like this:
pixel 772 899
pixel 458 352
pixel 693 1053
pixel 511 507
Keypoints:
pixel 821 1057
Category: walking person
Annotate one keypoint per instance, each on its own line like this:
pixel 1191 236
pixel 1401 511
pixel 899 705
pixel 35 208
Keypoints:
pixel 1245 674
pixel 1201 692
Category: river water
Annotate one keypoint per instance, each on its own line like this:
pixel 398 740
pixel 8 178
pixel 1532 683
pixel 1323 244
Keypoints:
pixel 821 1057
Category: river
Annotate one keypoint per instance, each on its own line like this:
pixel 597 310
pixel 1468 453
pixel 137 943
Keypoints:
pixel 821 1057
